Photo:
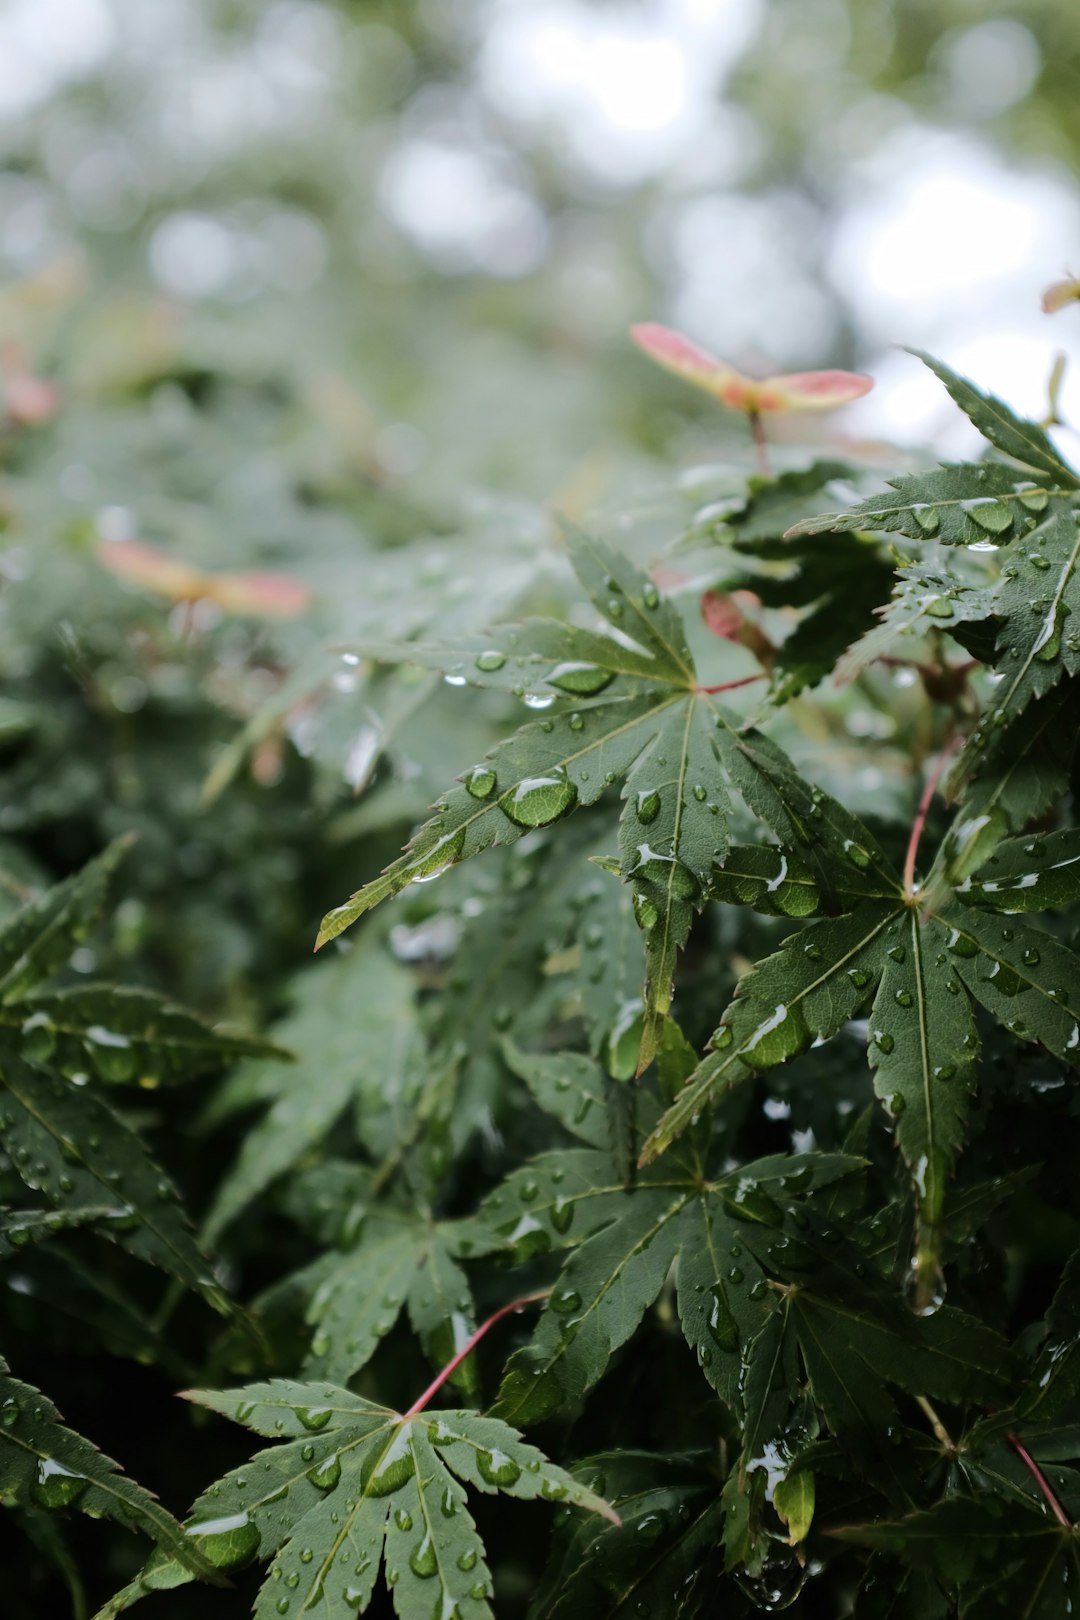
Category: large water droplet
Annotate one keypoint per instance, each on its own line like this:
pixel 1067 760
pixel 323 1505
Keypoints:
pixel 385 1473
pixel 312 1417
pixel 960 944
pixel 443 853
pixel 665 870
pixel 424 1560
pixel 583 680
pixel 489 662
pixel 497 1468
pixel 228 1542
pixel 537 801
pixel 927 518
pixel 991 516
pixel 747 1201
pixel 327 1473
pixel 647 806
pixel 480 781
pixel 722 1326
pixel 55 1486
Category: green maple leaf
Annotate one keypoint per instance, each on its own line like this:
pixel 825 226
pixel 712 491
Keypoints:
pixel 623 1242
pixel 963 504
pixel 398 1259
pixel 44 1464
pixel 985 1557
pixel 61 1136
pixel 924 600
pixel 368 1064
pixel 640 717
pixel 355 1486
pixel 69 1146
pixel 1038 591
pixel 663 1557
pixel 914 965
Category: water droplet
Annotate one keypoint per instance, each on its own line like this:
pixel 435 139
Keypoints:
pixel 566 1301
pixel 1037 560
pixel 312 1417
pixel 228 1542
pixel 327 1474
pixel 481 781
pixel 749 1202
pixel 1031 957
pixel 646 912
pixel 650 595
pixel 576 722
pixel 883 1041
pixel 1034 499
pixel 990 516
pixel 903 998
pixel 945 1071
pixel 497 1468
pixel 722 1326
pixel 721 1038
pixel 647 806
pixel 537 801
pixel 897 953
pixel 666 870
pixel 583 680
pixel 467 1559
pixel 813 952
pixel 939 607
pixel 896 1104
pixel 443 853
pixel 55 1486
pixel 927 518
pixel 489 662
pixel 562 1214
pixel 424 1560
pixel 387 1472
pixel 403 1519
pixel 856 854
pixel 961 944
pixel 859 977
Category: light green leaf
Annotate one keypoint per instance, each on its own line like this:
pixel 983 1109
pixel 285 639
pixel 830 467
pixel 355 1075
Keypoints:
pixel 954 505
pixel 350 1474
pixel 1039 873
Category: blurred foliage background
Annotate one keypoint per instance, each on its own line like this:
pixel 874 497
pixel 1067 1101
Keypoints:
pixel 339 292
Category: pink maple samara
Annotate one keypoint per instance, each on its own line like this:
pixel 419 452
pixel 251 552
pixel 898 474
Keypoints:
pixel 789 391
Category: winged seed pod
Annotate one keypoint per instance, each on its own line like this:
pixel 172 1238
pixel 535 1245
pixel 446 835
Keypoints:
pixel 786 391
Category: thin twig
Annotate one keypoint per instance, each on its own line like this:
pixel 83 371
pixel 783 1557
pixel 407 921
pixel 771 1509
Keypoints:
pixel 728 686
pixel 761 444
pixel 941 1433
pixel 470 1344
pixel 921 814
pixel 1041 1481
